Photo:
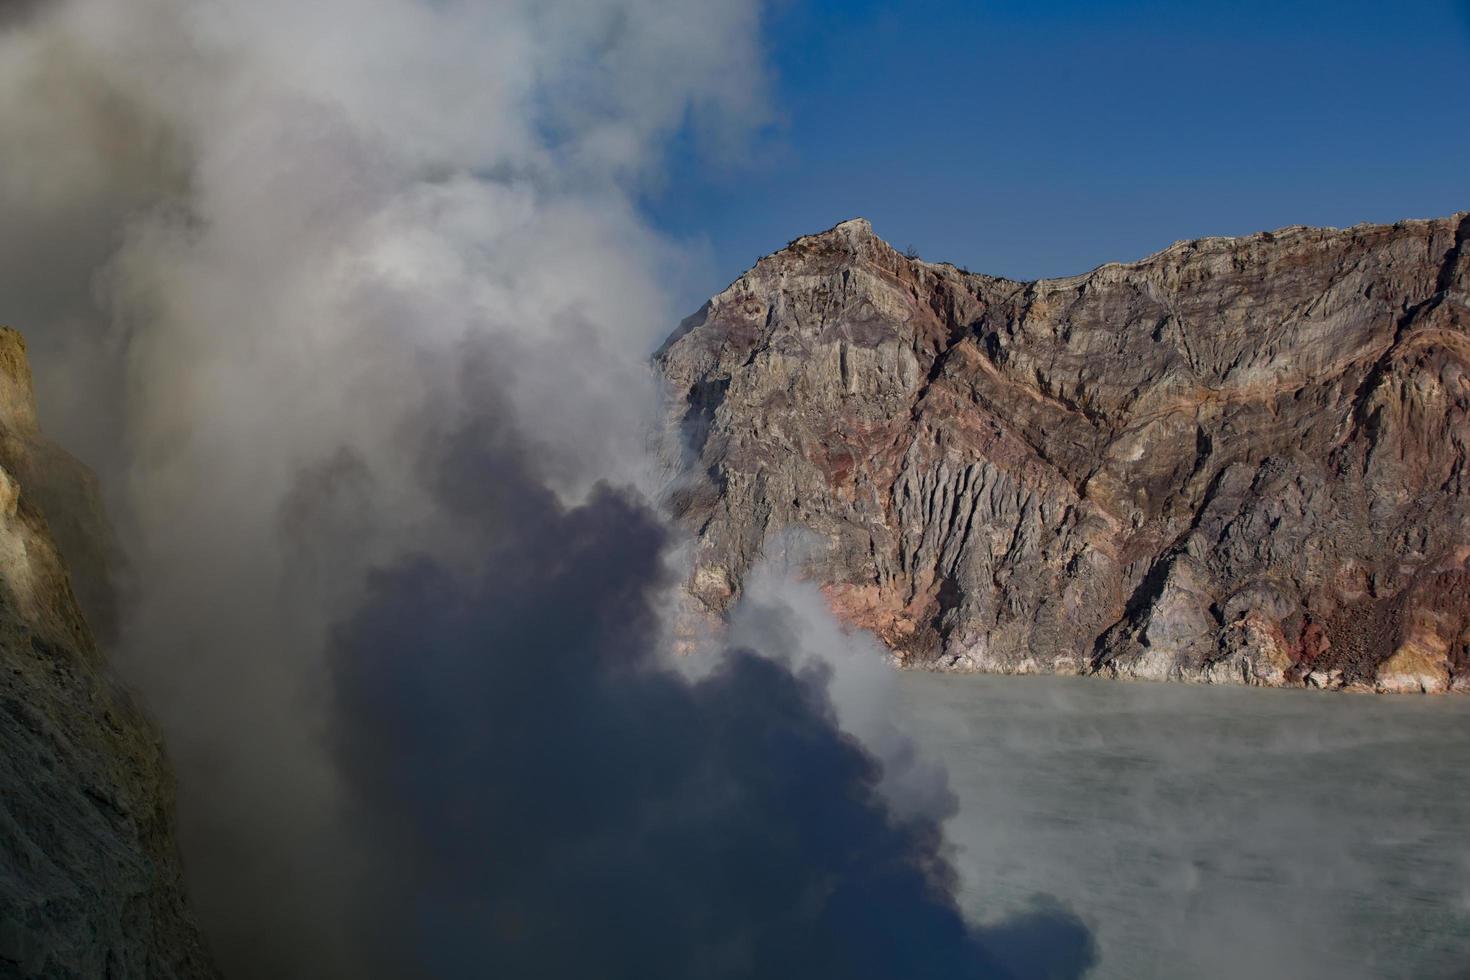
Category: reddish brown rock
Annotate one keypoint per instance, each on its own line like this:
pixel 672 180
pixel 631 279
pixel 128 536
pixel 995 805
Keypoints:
pixel 1238 460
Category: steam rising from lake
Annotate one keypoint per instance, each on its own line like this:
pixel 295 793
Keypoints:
pixel 1215 832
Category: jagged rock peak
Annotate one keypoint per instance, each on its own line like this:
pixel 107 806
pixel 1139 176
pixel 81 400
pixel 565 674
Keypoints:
pixel 1237 459
pixel 851 239
pixel 852 234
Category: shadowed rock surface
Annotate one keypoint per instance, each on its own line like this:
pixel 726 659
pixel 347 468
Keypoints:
pixel 1237 460
pixel 90 884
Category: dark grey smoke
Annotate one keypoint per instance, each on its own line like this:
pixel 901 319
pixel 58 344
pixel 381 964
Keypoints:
pixel 552 801
pixel 12 11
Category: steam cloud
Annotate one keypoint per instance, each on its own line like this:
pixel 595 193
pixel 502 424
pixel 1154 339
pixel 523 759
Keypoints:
pixel 560 803
pixel 350 301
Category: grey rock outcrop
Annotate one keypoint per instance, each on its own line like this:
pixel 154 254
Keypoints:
pixel 90 883
pixel 1237 460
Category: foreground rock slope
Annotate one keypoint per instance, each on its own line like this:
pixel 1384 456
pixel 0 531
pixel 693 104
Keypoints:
pixel 1238 460
pixel 90 884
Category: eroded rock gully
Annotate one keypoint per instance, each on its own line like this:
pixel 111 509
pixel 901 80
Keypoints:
pixel 1237 460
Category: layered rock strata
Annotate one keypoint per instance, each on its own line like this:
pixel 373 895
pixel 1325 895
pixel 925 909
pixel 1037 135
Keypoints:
pixel 1237 460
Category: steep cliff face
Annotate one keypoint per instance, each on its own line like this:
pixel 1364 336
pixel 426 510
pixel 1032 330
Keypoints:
pixel 90 884
pixel 1238 460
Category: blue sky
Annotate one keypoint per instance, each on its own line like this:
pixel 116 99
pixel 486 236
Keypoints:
pixel 1040 139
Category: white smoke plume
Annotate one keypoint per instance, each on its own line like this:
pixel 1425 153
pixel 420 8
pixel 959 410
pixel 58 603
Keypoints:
pixel 782 614
pixel 251 241
pixel 277 261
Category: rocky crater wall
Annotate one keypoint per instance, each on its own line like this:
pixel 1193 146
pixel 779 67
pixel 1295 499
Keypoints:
pixel 90 882
pixel 1238 460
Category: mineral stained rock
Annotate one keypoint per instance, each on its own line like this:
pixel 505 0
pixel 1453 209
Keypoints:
pixel 1238 460
pixel 90 883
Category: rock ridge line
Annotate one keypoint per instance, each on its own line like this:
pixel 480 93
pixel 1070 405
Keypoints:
pixel 1237 460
